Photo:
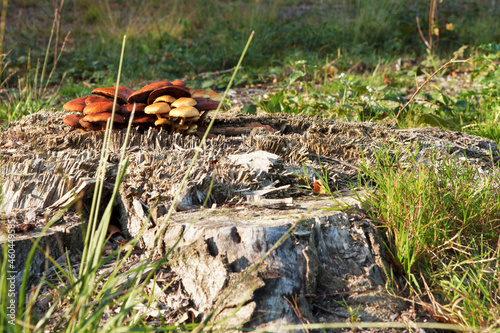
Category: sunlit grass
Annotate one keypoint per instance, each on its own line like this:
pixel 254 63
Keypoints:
pixel 441 219
pixel 35 90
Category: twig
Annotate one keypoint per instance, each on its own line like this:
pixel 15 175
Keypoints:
pixel 3 18
pixel 335 160
pixel 329 311
pixel 296 309
pixel 231 131
pixel 57 20
pixel 427 81
pixel 432 22
pixel 216 72
pixel 422 36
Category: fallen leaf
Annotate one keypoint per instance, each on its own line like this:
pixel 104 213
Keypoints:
pixel 128 247
pixel 318 187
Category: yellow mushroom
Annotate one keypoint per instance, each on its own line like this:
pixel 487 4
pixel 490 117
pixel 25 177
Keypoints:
pixel 157 108
pixel 184 112
pixel 200 93
pixel 184 101
pixel 163 121
pixel 215 96
pixel 192 129
pixel 165 99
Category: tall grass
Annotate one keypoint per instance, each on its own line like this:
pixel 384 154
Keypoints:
pixel 35 90
pixel 441 218
pixel 3 19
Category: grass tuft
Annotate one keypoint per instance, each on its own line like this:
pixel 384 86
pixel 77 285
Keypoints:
pixel 441 218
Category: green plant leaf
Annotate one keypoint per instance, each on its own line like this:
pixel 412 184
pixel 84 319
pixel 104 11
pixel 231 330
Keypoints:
pixel 249 109
pixel 432 120
pixel 295 75
pixel 492 47
pixel 207 84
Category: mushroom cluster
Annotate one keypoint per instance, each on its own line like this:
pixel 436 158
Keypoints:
pixel 170 105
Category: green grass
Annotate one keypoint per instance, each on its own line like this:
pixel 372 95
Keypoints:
pixel 178 39
pixel 442 226
pixel 469 102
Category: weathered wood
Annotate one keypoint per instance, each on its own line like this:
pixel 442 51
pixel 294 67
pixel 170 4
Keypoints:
pixel 65 235
pixel 329 257
pixel 329 252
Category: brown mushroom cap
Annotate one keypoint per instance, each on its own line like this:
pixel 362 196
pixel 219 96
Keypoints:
pixel 75 105
pixel 200 93
pixel 157 108
pixel 88 125
pixel 143 119
pixel 184 112
pixel 167 103
pixel 183 101
pixel 214 96
pixel 95 99
pixel 204 104
pixel 73 119
pixel 127 108
pixel 103 117
pixel 141 95
pixel 179 83
pixel 165 99
pixel 122 96
pixel 175 91
pixel 99 107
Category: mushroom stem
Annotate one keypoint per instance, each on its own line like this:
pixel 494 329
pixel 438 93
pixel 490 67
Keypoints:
pixel 202 117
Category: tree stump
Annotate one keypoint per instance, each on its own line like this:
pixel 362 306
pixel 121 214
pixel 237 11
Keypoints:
pixel 332 261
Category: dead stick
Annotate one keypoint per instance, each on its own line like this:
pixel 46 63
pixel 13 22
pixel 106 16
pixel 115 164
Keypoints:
pixel 231 131
pixel 427 81
pixel 422 36
pixel 215 73
pixel 335 160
